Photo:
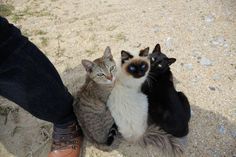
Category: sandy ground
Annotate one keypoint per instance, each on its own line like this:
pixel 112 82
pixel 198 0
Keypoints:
pixel 201 34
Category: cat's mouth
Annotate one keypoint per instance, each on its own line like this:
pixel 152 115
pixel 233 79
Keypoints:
pixel 110 81
pixel 138 75
pixel 113 79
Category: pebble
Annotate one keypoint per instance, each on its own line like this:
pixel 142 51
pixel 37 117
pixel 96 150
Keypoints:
pixel 156 29
pixel 196 53
pixel 209 18
pixel 212 88
pixel 222 129
pixel 233 133
pixel 214 152
pixel 196 79
pixel 219 41
pixel 137 44
pixel 227 53
pixel 216 77
pixel 188 66
pixel 169 42
pixel 205 61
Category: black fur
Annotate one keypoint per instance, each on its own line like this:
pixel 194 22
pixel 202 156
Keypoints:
pixel 112 133
pixel 168 108
pixel 125 56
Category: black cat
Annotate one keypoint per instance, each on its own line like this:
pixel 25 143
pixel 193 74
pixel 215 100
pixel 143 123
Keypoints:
pixel 167 108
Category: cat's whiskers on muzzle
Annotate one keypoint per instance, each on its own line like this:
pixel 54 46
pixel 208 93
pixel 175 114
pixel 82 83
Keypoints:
pixel 110 77
pixel 110 81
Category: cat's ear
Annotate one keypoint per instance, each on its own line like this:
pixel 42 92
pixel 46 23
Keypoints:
pixel 157 49
pixel 171 61
pixel 88 65
pixel 125 56
pixel 144 52
pixel 107 53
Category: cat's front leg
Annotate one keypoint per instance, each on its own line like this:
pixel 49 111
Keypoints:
pixel 112 133
pixel 145 87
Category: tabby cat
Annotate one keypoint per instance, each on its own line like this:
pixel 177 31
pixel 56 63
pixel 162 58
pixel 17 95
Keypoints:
pixel 167 108
pixel 90 102
pixel 129 106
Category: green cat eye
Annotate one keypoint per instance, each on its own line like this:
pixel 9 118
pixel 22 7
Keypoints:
pixel 112 68
pixel 100 74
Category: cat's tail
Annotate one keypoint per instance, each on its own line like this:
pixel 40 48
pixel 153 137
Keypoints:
pixel 158 138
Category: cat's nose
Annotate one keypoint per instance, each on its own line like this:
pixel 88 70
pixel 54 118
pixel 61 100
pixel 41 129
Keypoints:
pixel 141 74
pixel 109 77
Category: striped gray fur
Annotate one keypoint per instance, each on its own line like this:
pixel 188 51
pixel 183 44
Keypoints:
pixel 90 102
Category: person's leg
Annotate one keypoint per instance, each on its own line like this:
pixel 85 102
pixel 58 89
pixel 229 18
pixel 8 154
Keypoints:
pixel 30 80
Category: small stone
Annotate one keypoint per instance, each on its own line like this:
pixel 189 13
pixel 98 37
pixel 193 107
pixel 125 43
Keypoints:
pixel 225 45
pixel 196 53
pixel 205 61
pixel 222 129
pixel 209 18
pixel 233 133
pixel 137 44
pixel 169 42
pixel 219 41
pixel 156 29
pixel 196 79
pixel 216 77
pixel 227 53
pixel 212 88
pixel 188 66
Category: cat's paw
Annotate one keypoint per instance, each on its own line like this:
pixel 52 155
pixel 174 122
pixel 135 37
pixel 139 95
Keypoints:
pixel 110 140
pixel 113 130
pixel 112 133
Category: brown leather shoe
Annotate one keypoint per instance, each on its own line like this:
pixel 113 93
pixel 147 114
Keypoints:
pixel 66 142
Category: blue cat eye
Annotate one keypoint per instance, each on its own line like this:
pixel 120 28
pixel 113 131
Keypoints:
pixel 132 68
pixel 143 66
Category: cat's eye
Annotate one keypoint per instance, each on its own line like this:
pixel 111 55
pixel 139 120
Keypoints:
pixel 143 66
pixel 112 68
pixel 153 59
pixel 100 74
pixel 132 68
pixel 159 65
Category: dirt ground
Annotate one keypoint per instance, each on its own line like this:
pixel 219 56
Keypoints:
pixel 201 34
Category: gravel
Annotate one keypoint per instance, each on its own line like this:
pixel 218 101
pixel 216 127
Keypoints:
pixel 205 61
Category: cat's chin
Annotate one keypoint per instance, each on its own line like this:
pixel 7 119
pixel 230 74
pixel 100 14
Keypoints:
pixel 108 83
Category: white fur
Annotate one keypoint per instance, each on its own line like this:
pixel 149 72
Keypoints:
pixel 129 106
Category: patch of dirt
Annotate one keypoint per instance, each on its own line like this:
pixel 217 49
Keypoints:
pixel 200 34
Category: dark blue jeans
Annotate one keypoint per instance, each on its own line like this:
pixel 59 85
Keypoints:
pixel 30 80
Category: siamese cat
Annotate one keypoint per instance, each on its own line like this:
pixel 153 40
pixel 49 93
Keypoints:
pixel 129 106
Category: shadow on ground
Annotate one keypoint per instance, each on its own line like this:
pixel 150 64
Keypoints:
pixel 23 135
